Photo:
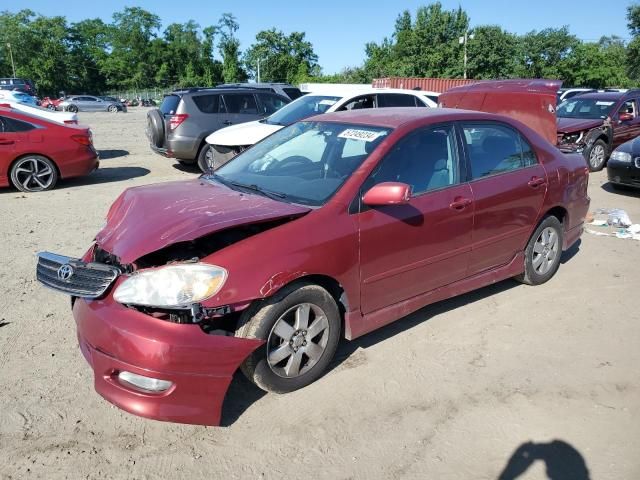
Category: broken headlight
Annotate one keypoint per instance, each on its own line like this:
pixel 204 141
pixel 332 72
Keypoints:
pixel 572 137
pixel 172 286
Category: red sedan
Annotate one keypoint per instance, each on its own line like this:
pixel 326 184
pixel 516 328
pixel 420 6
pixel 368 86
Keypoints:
pixel 336 225
pixel 35 153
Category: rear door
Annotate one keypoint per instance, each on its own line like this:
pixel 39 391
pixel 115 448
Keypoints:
pixel 509 187
pixel 359 102
pixel 240 107
pixel 210 111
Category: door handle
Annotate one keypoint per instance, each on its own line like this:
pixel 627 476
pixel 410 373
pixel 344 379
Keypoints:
pixel 460 203
pixel 535 182
pixel 6 142
pixel 227 122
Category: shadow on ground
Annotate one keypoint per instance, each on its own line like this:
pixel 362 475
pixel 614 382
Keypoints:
pixel 109 154
pixel 621 190
pixel 105 175
pixel 187 167
pixel 242 393
pixel 562 461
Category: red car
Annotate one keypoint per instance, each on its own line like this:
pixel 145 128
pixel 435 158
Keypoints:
pixel 331 227
pixel 51 103
pixel 35 153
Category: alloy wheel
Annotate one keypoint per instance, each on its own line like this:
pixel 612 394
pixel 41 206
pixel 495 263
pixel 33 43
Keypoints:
pixel 33 174
pixel 596 156
pixel 297 340
pixel 545 250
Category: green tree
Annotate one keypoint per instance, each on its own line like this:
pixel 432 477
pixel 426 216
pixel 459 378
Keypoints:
pixel 597 65
pixel 130 63
pixel 229 47
pixel 283 58
pixel 492 53
pixel 545 53
pixel 633 49
pixel 87 42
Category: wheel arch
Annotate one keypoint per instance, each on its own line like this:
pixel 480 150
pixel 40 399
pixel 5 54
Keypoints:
pixel 20 157
pixel 330 284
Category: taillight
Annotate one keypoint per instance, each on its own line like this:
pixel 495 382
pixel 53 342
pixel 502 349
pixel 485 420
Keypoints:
pixel 81 139
pixel 176 120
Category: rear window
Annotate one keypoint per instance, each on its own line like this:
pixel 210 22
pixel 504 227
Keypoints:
pixel 243 103
pixel 292 93
pixel 169 104
pixel 396 100
pixel 207 103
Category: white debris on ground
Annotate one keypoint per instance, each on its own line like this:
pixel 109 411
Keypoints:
pixel 613 222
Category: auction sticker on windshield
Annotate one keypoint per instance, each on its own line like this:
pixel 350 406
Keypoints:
pixel 356 134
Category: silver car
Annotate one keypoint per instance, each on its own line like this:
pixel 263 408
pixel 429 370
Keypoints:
pixel 88 103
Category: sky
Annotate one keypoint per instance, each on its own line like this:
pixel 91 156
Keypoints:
pixel 339 30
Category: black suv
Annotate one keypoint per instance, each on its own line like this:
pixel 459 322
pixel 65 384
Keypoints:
pixel 21 84
pixel 186 117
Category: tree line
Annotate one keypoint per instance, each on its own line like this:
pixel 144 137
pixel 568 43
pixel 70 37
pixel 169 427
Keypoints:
pixel 134 52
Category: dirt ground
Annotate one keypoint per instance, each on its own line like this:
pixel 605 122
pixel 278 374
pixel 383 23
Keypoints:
pixel 449 392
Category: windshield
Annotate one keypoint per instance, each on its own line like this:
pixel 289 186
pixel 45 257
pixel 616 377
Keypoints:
pixel 585 108
pixel 302 108
pixel 304 163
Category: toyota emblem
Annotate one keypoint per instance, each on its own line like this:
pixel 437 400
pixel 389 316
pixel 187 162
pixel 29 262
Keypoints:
pixel 65 272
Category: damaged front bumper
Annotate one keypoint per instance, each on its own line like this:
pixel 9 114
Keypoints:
pixel 200 366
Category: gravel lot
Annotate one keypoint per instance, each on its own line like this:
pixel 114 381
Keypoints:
pixel 449 392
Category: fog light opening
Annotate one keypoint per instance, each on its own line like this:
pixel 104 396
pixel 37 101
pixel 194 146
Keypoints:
pixel 144 383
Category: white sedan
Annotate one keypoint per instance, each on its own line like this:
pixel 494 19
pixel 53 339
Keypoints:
pixel 63 118
pixel 226 143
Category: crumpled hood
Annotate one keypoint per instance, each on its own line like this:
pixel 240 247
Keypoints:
pixel 569 125
pixel 248 133
pixel 145 219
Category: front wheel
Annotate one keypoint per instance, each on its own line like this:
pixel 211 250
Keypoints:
pixel 301 328
pixel 113 109
pixel 543 252
pixel 72 109
pixel 596 155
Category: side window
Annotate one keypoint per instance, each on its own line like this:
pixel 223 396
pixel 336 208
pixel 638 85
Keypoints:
pixel 495 149
pixel 426 160
pixel 243 103
pixel 396 100
pixel 271 103
pixel 3 127
pixel 366 101
pixel 629 107
pixel 207 103
pixel 13 125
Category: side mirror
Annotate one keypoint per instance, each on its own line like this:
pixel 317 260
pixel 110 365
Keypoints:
pixel 625 117
pixel 388 193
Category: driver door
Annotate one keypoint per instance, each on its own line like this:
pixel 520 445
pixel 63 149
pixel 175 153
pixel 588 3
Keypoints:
pixel 407 250
pixel 626 130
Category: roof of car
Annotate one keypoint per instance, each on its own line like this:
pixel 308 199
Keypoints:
pixel 603 95
pixel 396 116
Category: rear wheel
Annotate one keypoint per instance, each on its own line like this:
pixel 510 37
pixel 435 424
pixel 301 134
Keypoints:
pixel 34 173
pixel 596 155
pixel 72 108
pixel 301 328
pixel 51 106
pixel 543 252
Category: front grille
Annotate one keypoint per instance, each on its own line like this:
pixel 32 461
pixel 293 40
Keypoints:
pixel 73 276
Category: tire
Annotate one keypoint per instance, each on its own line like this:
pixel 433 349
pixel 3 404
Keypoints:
pixel 212 157
pixel 51 106
pixel 543 252
pixel 34 173
pixel 596 155
pixel 72 108
pixel 113 108
pixel 280 322
pixel 155 127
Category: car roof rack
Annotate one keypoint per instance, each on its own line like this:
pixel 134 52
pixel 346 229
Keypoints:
pixel 204 89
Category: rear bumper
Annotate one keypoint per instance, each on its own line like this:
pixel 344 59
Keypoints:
pixel 82 164
pixel 114 338
pixel 182 148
